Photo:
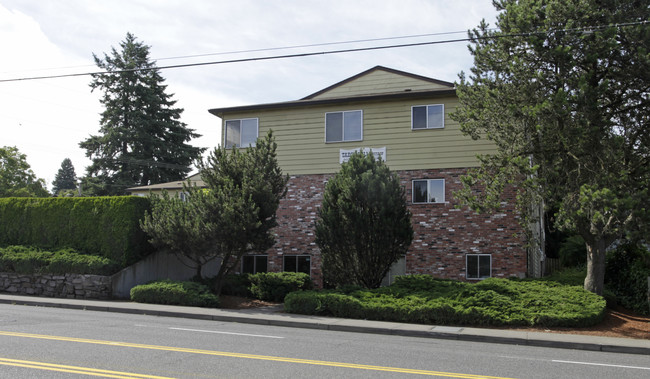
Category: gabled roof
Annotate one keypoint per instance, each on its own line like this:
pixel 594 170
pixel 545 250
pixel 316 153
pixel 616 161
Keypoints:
pixel 175 185
pixel 378 83
pixel 394 81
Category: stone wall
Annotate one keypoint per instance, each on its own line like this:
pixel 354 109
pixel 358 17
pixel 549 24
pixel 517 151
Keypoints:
pixel 443 233
pixel 71 286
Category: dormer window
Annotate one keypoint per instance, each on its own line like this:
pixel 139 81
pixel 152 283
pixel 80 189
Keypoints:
pixel 343 126
pixel 241 133
pixel 428 117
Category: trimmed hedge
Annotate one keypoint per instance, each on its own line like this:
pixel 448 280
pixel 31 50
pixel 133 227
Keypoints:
pixel 170 292
pixel 28 260
pixel 105 226
pixel 426 300
pixel 274 286
pixel 626 275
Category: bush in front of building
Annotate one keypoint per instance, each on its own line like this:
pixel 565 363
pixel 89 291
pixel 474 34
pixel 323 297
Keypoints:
pixel 364 225
pixel 626 275
pixel 32 260
pixel 235 285
pixel 423 299
pixel 274 286
pixel 103 226
pixel 170 292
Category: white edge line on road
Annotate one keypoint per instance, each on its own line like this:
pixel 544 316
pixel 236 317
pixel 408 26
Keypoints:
pixel 601 364
pixel 217 332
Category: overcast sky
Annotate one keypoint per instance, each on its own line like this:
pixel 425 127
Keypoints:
pixel 46 119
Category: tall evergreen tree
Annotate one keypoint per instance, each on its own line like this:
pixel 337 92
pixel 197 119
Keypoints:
pixel 142 139
pixel 66 178
pixel 562 87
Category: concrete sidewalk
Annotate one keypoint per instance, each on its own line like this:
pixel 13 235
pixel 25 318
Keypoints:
pixel 274 316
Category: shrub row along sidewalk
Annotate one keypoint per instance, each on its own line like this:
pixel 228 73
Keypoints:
pixel 425 300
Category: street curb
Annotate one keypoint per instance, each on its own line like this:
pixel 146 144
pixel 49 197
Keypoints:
pixel 344 325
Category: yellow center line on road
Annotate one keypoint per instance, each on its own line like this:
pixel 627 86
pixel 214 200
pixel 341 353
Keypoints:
pixel 251 356
pixel 74 369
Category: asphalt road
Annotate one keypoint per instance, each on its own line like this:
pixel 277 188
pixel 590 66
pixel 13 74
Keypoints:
pixel 63 343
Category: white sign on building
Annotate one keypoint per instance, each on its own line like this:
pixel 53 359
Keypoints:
pixel 378 152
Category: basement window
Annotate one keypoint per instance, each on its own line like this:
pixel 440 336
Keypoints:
pixel 478 266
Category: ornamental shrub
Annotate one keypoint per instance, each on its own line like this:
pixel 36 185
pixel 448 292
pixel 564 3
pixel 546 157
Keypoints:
pixel 445 302
pixel 626 274
pixel 30 260
pixel 170 292
pixel 104 226
pixel 364 225
pixel 274 286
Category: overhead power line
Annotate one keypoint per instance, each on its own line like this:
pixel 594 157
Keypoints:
pixel 330 52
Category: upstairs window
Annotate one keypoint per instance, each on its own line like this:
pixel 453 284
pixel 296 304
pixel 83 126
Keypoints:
pixel 241 133
pixel 343 126
pixel 478 266
pixel 428 191
pixel 428 117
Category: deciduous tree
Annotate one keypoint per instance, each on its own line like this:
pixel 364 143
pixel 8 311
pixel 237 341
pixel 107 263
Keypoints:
pixel 364 225
pixel 16 176
pixel 562 87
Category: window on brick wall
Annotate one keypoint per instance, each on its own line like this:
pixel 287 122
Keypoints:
pixel 297 263
pixel 428 191
pixel 252 264
pixel 478 266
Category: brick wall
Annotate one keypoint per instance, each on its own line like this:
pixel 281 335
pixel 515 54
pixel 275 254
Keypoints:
pixel 443 234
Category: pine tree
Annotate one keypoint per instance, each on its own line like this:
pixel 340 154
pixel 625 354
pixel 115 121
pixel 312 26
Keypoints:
pixel 562 89
pixel 233 216
pixel 364 225
pixel 66 178
pixel 142 139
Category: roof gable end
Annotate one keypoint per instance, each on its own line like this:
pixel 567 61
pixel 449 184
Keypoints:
pixel 379 80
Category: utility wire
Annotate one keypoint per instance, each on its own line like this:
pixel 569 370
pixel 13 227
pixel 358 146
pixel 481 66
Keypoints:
pixel 340 51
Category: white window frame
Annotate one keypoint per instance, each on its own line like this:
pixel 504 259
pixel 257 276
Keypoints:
pixel 477 275
pixel 428 122
pixel 297 257
pixel 343 126
pixel 429 182
pixel 255 262
pixel 241 120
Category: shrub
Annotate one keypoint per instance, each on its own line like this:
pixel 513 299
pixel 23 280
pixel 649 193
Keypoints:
pixel 236 285
pixel 30 260
pixel 573 252
pixel 422 299
pixel 626 275
pixel 175 293
pixel 104 226
pixel 274 286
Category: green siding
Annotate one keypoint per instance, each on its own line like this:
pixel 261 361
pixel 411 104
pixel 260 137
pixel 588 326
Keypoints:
pixel 300 135
pixel 378 82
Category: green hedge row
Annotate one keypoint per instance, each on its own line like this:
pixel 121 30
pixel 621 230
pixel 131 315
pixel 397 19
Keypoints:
pixel 105 226
pixel 191 294
pixel 274 286
pixel 425 300
pixel 28 260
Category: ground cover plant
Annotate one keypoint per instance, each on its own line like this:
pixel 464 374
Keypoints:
pixel 175 293
pixel 32 260
pixel 426 300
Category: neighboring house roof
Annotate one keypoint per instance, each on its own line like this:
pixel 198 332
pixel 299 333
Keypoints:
pixel 362 87
pixel 176 185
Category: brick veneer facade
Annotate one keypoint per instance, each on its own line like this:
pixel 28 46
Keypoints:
pixel 443 234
